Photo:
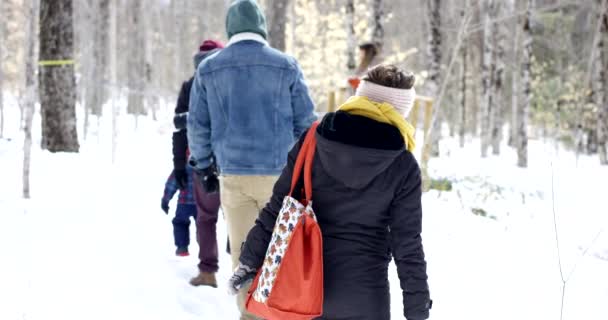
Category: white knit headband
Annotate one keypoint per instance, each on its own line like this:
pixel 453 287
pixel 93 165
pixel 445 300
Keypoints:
pixel 401 99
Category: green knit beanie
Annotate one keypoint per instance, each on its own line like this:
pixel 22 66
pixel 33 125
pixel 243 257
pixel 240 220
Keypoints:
pixel 245 16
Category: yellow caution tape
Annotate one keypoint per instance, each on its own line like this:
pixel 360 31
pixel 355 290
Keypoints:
pixel 54 63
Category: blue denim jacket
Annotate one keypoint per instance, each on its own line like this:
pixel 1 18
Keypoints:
pixel 248 105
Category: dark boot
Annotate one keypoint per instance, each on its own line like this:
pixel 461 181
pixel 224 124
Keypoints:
pixel 182 252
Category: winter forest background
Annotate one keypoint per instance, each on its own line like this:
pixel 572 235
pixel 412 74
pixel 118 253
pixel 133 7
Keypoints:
pixel 515 222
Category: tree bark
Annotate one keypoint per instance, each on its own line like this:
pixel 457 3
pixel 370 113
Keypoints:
pixel 136 59
pixel 2 19
pixel 96 92
pixel 378 18
pixel 524 114
pixel 113 45
pixel 515 90
pixel 434 56
pixel 277 23
pixel 500 35
pixel 30 92
pixel 487 71
pixel 57 82
pixel 463 83
pixel 351 40
pixel 599 84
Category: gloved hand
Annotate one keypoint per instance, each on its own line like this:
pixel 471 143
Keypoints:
pixel 242 276
pixel 208 179
pixel 165 206
pixel 181 178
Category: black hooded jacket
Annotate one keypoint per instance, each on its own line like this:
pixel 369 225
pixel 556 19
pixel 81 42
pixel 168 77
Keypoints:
pixel 367 198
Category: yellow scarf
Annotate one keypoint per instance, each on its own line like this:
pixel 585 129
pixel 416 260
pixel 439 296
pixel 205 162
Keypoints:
pixel 381 112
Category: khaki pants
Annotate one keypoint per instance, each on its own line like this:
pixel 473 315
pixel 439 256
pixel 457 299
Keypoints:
pixel 242 198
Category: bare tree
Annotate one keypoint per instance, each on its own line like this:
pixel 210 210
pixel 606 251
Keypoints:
pixel 515 73
pixel 524 112
pixel 29 100
pixel 136 59
pixel 434 56
pixel 487 70
pixel 96 93
pixel 599 83
pixel 277 21
pixel 57 82
pixel 498 79
pixel 377 22
pixel 351 40
pixel 463 82
pixel 2 19
pixel 113 45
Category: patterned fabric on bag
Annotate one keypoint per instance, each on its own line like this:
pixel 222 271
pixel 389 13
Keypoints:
pixel 289 216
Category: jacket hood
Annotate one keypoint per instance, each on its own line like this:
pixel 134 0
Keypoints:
pixel 355 150
pixel 245 16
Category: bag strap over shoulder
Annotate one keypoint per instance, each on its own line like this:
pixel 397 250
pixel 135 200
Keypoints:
pixel 304 162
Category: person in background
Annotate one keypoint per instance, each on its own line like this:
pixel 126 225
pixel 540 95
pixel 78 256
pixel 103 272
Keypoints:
pixel 207 203
pixel 186 209
pixel 249 104
pixel 367 199
pixel 369 56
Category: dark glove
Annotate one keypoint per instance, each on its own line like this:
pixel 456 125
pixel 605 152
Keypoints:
pixel 208 179
pixel 181 178
pixel 242 276
pixel 165 206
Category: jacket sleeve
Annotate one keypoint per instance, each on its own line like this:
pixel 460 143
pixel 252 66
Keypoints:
pixel 406 243
pixel 180 139
pixel 255 246
pixel 199 124
pixel 301 103
pixel 183 100
pixel 170 188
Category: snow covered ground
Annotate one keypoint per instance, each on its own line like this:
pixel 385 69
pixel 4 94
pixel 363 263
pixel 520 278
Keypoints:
pixel 92 243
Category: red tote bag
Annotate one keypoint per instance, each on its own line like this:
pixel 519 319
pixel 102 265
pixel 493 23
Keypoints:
pixel 289 285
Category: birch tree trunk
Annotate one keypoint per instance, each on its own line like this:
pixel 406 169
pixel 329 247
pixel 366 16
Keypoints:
pixel 524 113
pixel 113 45
pixel 100 22
pixel 377 22
pixel 487 73
pixel 2 19
pixel 515 90
pixel 351 40
pixel 57 81
pixel 277 23
pixel 434 56
pixel 136 59
pixel 463 83
pixel 500 36
pixel 30 91
pixel 599 83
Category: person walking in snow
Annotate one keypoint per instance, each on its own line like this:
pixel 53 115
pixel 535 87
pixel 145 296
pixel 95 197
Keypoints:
pixel 186 209
pixel 249 104
pixel 207 203
pixel 367 200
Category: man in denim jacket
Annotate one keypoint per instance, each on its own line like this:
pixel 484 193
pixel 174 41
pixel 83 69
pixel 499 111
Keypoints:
pixel 248 105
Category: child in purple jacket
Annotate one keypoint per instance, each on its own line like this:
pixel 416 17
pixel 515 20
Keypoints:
pixel 186 208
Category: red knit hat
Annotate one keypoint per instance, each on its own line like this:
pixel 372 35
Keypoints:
pixel 209 45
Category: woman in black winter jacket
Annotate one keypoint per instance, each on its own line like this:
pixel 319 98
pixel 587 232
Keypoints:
pixel 367 198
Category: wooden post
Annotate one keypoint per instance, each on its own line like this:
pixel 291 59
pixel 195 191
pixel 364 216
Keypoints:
pixel 342 96
pixel 414 114
pixel 426 149
pixel 331 102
